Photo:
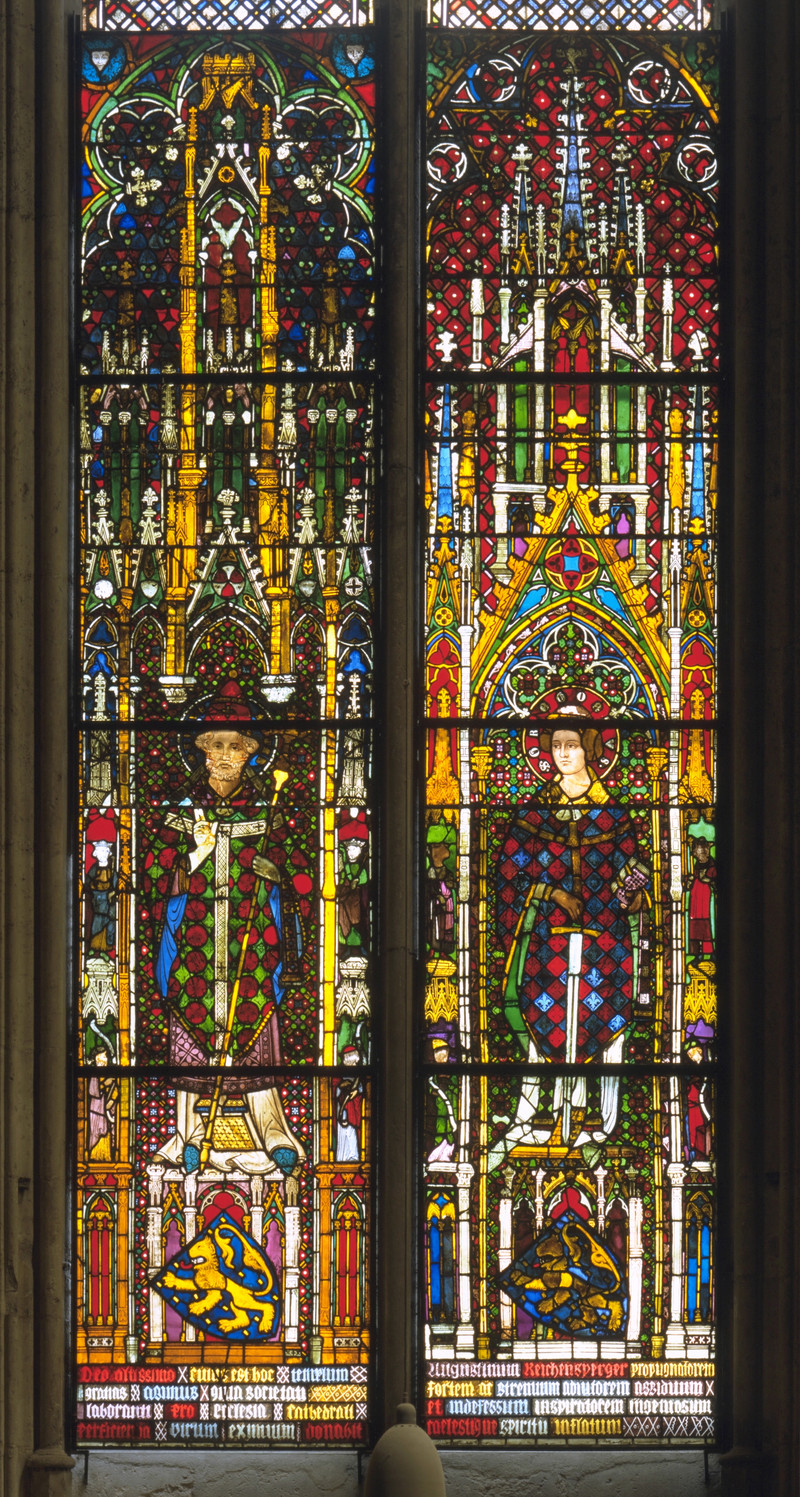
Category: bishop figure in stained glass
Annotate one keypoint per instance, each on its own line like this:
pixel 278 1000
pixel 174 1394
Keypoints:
pixel 220 954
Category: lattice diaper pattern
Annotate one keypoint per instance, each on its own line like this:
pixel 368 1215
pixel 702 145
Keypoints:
pixel 573 15
pixel 201 15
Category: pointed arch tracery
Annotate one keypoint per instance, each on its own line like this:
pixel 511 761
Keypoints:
pixel 571 488
pixel 227 455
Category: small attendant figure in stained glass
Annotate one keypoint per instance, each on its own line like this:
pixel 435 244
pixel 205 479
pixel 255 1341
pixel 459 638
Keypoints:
pixel 103 1093
pixel 101 881
pixel 442 1106
pixel 570 880
pixel 441 888
pixel 353 885
pixel 698 1111
pixel 702 899
pixel 220 963
pixel 349 1111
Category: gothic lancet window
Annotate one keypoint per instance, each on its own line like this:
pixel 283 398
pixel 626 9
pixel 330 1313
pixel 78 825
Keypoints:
pixel 223 740
pixel 570 492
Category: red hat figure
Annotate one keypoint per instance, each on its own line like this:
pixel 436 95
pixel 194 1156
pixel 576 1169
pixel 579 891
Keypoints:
pixel 224 951
pixel 354 829
pixel 229 705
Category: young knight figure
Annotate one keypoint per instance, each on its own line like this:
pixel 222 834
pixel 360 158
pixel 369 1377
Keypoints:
pixel 570 881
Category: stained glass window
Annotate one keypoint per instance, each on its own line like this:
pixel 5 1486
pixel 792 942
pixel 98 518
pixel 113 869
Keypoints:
pixel 223 741
pixel 570 843
pixel 227 455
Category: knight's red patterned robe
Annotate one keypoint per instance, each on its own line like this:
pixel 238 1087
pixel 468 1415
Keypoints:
pixel 587 847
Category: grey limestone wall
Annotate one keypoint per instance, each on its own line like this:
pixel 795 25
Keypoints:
pixel 527 1474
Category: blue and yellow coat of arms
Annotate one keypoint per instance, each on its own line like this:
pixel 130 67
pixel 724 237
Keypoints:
pixel 569 1281
pixel 223 1283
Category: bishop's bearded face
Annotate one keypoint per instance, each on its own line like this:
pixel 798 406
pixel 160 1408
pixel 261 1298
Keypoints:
pixel 226 753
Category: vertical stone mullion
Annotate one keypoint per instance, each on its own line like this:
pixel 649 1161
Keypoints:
pixel 399 37
pixel 780 985
pixel 16 739
pixel 34 271
pixel 781 1113
pixel 740 1244
pixel 760 1108
pixel 52 801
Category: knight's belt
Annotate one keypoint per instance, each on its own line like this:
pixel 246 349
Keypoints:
pixel 563 841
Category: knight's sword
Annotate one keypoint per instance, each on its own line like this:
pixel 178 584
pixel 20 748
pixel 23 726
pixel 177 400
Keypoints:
pixel 574 957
